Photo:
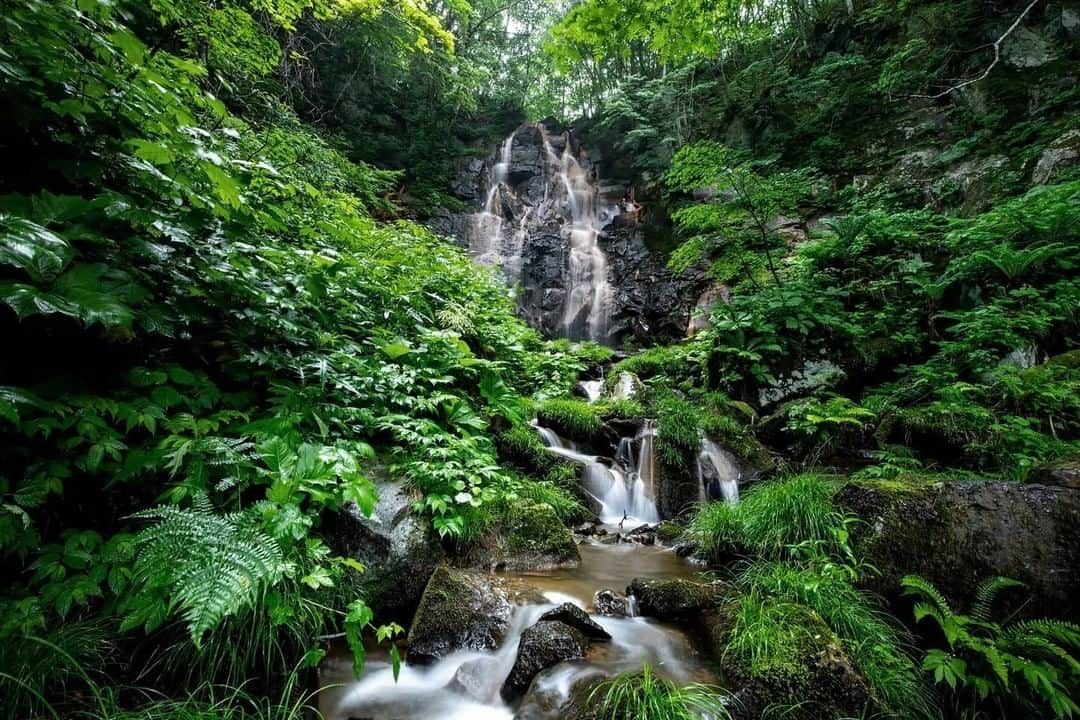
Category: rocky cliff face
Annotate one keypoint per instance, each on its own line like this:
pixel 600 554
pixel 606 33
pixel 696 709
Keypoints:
pixel 574 245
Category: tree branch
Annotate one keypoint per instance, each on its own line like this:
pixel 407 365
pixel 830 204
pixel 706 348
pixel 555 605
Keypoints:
pixel 997 58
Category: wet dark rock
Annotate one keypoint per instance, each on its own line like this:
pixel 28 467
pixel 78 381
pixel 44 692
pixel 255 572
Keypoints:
pixel 610 603
pixel 543 702
pixel 575 617
pixel 543 645
pixel 957 534
pixel 674 599
pixel 399 549
pixel 1062 153
pixel 478 678
pixel 586 529
pixel 459 610
pixel 1063 473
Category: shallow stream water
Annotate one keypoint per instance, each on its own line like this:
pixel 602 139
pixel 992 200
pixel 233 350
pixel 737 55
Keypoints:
pixel 465 685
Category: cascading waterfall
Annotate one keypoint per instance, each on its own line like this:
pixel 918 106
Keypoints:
pixel 593 389
pixel 621 490
pixel 487 237
pixel 588 292
pixel 572 201
pixel 718 473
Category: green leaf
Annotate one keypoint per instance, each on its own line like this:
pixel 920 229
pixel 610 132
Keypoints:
pixel 32 248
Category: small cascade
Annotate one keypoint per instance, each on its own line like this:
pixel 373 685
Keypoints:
pixel 626 388
pixel 486 237
pixel 593 389
pixel 621 490
pixel 646 464
pixel 718 473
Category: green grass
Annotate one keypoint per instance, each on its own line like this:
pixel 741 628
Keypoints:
pixel 772 517
pixel 795 509
pixel 574 417
pixel 644 696
pixel 771 611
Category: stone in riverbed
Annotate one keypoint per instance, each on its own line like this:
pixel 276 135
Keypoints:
pixel 610 603
pixel 459 610
pixel 543 645
pixel 570 614
pixel 675 599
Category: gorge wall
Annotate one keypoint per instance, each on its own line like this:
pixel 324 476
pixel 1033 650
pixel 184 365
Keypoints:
pixel 573 244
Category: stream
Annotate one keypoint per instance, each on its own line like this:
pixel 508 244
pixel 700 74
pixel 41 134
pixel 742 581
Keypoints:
pixel 465 685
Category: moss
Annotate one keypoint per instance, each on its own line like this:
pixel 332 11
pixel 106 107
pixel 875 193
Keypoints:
pixel 669 531
pixel 534 530
pixel 628 410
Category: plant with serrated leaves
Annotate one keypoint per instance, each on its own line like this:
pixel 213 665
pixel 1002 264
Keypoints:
pixel 1020 665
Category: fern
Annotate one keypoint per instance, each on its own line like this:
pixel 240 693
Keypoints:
pixel 987 659
pixel 985 595
pixel 206 565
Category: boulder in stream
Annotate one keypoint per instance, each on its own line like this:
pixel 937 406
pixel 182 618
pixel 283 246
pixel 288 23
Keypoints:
pixel 674 599
pixel 957 534
pixel 570 614
pixel 547 643
pixel 610 603
pixel 459 610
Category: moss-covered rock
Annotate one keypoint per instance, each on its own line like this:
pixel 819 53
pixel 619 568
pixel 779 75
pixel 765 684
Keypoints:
pixel 530 536
pixel 459 610
pixel 956 534
pixel 805 671
pixel 675 599
pixel 668 532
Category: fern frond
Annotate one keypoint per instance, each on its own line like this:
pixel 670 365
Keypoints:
pixel 985 595
pixel 1066 633
pixel 210 566
pixel 915 585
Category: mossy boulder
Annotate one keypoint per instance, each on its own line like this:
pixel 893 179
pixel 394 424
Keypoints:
pixel 806 669
pixel 530 536
pixel 668 532
pixel 399 549
pixel 459 610
pixel 674 599
pixel 1064 473
pixel 957 534
pixel 537 539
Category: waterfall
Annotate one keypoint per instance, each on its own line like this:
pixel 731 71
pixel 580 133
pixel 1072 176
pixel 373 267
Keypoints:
pixel 646 483
pixel 718 473
pixel 592 389
pixel 622 491
pixel 487 236
pixel 625 389
pixel 588 292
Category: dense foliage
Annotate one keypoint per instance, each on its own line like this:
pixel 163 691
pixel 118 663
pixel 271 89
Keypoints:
pixel 222 334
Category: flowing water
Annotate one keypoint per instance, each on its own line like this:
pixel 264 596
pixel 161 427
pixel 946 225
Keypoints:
pixel 718 473
pixel 465 685
pixel 625 491
pixel 593 389
pixel 572 197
